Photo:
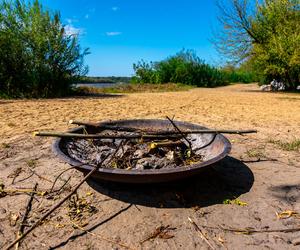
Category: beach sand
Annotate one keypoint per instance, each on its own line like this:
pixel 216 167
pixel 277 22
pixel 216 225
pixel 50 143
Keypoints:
pixel 258 171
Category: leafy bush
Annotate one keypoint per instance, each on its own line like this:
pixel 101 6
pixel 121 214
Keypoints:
pixel 187 68
pixel 37 57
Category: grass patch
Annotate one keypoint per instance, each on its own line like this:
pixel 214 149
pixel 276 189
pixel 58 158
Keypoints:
pixel 288 146
pixel 255 153
pixel 135 88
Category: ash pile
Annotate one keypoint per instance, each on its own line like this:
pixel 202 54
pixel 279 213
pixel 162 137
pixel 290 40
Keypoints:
pixel 138 153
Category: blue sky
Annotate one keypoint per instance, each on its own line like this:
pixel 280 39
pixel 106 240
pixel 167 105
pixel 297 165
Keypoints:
pixel 121 32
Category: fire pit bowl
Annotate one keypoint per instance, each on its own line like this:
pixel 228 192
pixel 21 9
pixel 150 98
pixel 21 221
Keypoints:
pixel 213 148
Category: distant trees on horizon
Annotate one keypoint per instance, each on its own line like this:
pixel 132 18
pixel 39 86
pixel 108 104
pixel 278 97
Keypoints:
pixel 187 68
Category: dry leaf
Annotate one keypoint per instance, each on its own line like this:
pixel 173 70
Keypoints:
pixel 287 214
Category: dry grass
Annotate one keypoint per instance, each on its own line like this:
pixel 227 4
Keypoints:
pixel 293 145
pixel 135 88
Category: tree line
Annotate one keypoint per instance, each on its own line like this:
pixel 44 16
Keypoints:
pixel 259 39
pixel 187 68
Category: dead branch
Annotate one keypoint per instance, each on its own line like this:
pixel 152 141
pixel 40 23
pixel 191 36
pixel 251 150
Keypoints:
pixel 57 177
pixel 253 231
pixel 166 144
pixel 101 237
pixel 203 237
pixel 90 228
pixel 179 131
pixel 249 231
pixel 105 127
pixel 130 129
pixel 103 136
pixel 28 208
pixel 56 206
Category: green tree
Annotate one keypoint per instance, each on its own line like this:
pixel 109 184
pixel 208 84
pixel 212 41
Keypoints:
pixel 266 34
pixel 37 56
pixel 184 67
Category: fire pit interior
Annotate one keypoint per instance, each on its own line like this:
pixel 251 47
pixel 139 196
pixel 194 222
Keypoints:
pixel 129 157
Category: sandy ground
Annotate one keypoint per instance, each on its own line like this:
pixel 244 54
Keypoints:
pixel 257 172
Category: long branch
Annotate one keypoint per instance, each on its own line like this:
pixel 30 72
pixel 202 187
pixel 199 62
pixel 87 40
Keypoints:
pixel 104 136
pixel 151 134
pixel 131 129
pixel 56 206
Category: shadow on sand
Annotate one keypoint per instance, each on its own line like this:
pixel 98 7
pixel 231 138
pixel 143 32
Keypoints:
pixel 226 180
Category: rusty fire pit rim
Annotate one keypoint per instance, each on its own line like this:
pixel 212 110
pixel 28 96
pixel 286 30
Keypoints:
pixel 86 168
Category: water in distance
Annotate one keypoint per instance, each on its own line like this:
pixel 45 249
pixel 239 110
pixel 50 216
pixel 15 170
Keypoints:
pixel 99 85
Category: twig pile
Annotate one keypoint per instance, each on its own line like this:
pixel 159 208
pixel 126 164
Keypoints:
pixel 134 154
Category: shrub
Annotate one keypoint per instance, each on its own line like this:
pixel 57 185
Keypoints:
pixel 187 68
pixel 37 56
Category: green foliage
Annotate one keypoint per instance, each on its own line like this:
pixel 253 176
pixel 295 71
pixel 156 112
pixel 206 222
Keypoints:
pixel 266 35
pixel 37 56
pixel 242 74
pixel 187 68
pixel 278 55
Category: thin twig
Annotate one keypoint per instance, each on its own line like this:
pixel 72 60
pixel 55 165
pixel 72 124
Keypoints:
pixel 28 208
pixel 62 186
pixel 252 231
pixel 197 228
pixel 56 206
pixel 101 237
pixel 38 175
pixel 57 177
pixel 105 127
pixel 179 131
pixel 26 178
pixel 104 136
pixel 207 144
pixel 130 129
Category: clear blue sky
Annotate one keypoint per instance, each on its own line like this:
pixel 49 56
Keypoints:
pixel 121 32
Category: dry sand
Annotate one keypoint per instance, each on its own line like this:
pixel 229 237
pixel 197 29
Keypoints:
pixel 268 186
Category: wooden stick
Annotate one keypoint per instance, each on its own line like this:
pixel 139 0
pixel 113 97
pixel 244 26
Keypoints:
pixel 56 206
pixel 179 131
pixel 80 123
pixel 252 231
pixel 150 135
pixel 28 208
pixel 207 131
pixel 103 136
pixel 130 129
pixel 201 233
pixel 103 127
pixel 101 237
pixel 166 144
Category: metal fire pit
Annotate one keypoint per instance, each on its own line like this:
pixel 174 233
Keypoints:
pixel 215 150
